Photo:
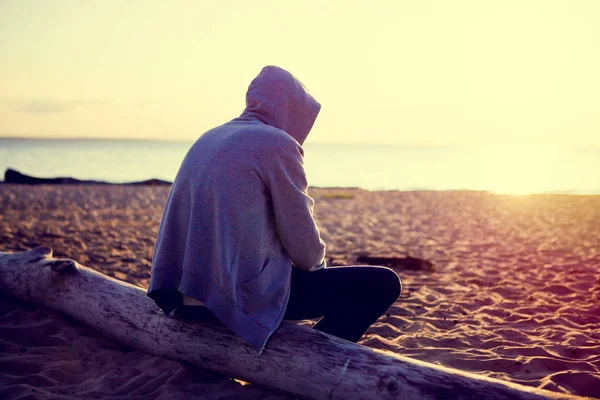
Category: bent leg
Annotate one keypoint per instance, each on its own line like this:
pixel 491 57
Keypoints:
pixel 349 299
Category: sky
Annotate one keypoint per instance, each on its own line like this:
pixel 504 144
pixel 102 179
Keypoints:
pixel 399 71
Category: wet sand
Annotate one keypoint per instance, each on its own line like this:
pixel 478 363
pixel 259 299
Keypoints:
pixel 515 293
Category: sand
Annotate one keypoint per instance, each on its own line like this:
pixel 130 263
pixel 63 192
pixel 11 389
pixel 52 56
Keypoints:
pixel 515 294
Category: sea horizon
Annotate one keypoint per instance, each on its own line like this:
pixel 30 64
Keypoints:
pixel 499 168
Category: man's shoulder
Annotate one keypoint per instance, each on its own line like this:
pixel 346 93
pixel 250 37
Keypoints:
pixel 265 137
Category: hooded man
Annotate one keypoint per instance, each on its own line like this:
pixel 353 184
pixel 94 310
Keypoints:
pixel 238 234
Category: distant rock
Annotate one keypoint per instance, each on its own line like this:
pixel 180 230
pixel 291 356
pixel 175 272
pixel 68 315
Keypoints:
pixel 13 176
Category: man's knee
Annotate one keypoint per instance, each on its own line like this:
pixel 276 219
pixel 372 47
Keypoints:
pixel 391 285
pixel 396 286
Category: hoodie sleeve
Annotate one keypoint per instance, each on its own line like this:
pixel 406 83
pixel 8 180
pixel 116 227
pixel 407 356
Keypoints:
pixel 293 208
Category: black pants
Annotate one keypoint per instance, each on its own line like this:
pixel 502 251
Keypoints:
pixel 349 299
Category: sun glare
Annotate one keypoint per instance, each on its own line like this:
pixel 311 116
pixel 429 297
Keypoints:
pixel 519 170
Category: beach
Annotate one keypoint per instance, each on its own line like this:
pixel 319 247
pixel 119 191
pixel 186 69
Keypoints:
pixel 514 293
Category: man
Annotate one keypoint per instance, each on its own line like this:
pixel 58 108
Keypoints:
pixel 238 240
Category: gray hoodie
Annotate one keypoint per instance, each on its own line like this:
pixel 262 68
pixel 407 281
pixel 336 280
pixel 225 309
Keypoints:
pixel 238 215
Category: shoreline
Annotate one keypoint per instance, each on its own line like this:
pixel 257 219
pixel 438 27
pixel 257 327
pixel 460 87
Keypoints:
pixel 159 182
pixel 12 176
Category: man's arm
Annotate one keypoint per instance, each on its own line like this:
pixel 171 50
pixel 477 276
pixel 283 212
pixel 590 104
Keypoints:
pixel 293 208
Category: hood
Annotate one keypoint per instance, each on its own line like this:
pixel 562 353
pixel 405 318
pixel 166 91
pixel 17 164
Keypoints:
pixel 278 99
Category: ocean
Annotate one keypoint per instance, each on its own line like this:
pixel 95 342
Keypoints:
pixel 499 168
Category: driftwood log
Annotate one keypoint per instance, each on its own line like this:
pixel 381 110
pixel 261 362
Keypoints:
pixel 408 262
pixel 298 360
